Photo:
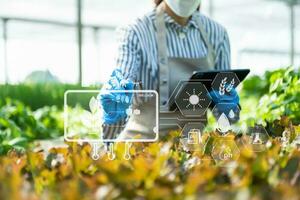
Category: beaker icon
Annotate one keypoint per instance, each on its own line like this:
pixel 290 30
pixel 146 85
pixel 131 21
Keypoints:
pixel 257 139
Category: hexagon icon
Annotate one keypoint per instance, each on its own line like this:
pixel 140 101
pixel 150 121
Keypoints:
pixel 223 84
pixel 230 110
pixel 192 138
pixel 224 151
pixel 193 99
pixel 258 138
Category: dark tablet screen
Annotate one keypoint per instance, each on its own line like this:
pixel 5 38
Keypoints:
pixel 208 77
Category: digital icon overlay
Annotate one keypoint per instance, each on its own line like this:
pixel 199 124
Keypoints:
pixel 192 137
pixel 224 151
pixel 258 138
pixel 87 124
pixel 224 83
pixel 193 99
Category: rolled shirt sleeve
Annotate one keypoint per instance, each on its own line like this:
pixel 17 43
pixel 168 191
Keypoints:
pixel 223 54
pixel 129 53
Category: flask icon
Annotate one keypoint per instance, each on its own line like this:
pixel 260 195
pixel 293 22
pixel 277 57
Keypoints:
pixel 257 139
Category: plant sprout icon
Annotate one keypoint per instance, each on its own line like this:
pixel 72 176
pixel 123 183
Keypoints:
pixel 194 99
pixel 93 118
pixel 224 87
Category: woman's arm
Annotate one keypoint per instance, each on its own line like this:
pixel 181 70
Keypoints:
pixel 128 63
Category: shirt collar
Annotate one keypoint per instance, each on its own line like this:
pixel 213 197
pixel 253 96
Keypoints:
pixel 191 23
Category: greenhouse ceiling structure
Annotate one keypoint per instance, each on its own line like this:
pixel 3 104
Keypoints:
pixel 262 29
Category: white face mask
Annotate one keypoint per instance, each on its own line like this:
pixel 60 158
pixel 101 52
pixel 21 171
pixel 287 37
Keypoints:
pixel 183 8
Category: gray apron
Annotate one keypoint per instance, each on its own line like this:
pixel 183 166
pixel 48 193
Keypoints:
pixel 171 72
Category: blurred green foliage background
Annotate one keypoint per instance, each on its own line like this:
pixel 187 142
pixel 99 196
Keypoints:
pixel 34 112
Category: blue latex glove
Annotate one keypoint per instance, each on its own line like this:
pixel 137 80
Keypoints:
pixel 226 104
pixel 115 104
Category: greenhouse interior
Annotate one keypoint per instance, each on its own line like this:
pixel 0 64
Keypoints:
pixel 150 99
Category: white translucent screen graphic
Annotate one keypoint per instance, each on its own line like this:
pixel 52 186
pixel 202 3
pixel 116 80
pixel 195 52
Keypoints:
pixel 83 117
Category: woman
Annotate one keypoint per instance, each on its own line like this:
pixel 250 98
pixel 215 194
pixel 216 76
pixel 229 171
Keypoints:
pixel 160 49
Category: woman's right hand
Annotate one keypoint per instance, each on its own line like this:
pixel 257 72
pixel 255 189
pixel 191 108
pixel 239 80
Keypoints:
pixel 115 104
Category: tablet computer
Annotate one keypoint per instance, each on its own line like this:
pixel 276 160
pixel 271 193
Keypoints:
pixel 209 76
pixel 240 73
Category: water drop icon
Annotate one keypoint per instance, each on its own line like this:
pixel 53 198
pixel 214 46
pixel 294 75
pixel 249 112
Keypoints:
pixel 223 123
pixel 231 114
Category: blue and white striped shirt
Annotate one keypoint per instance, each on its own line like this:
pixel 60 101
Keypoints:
pixel 138 53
